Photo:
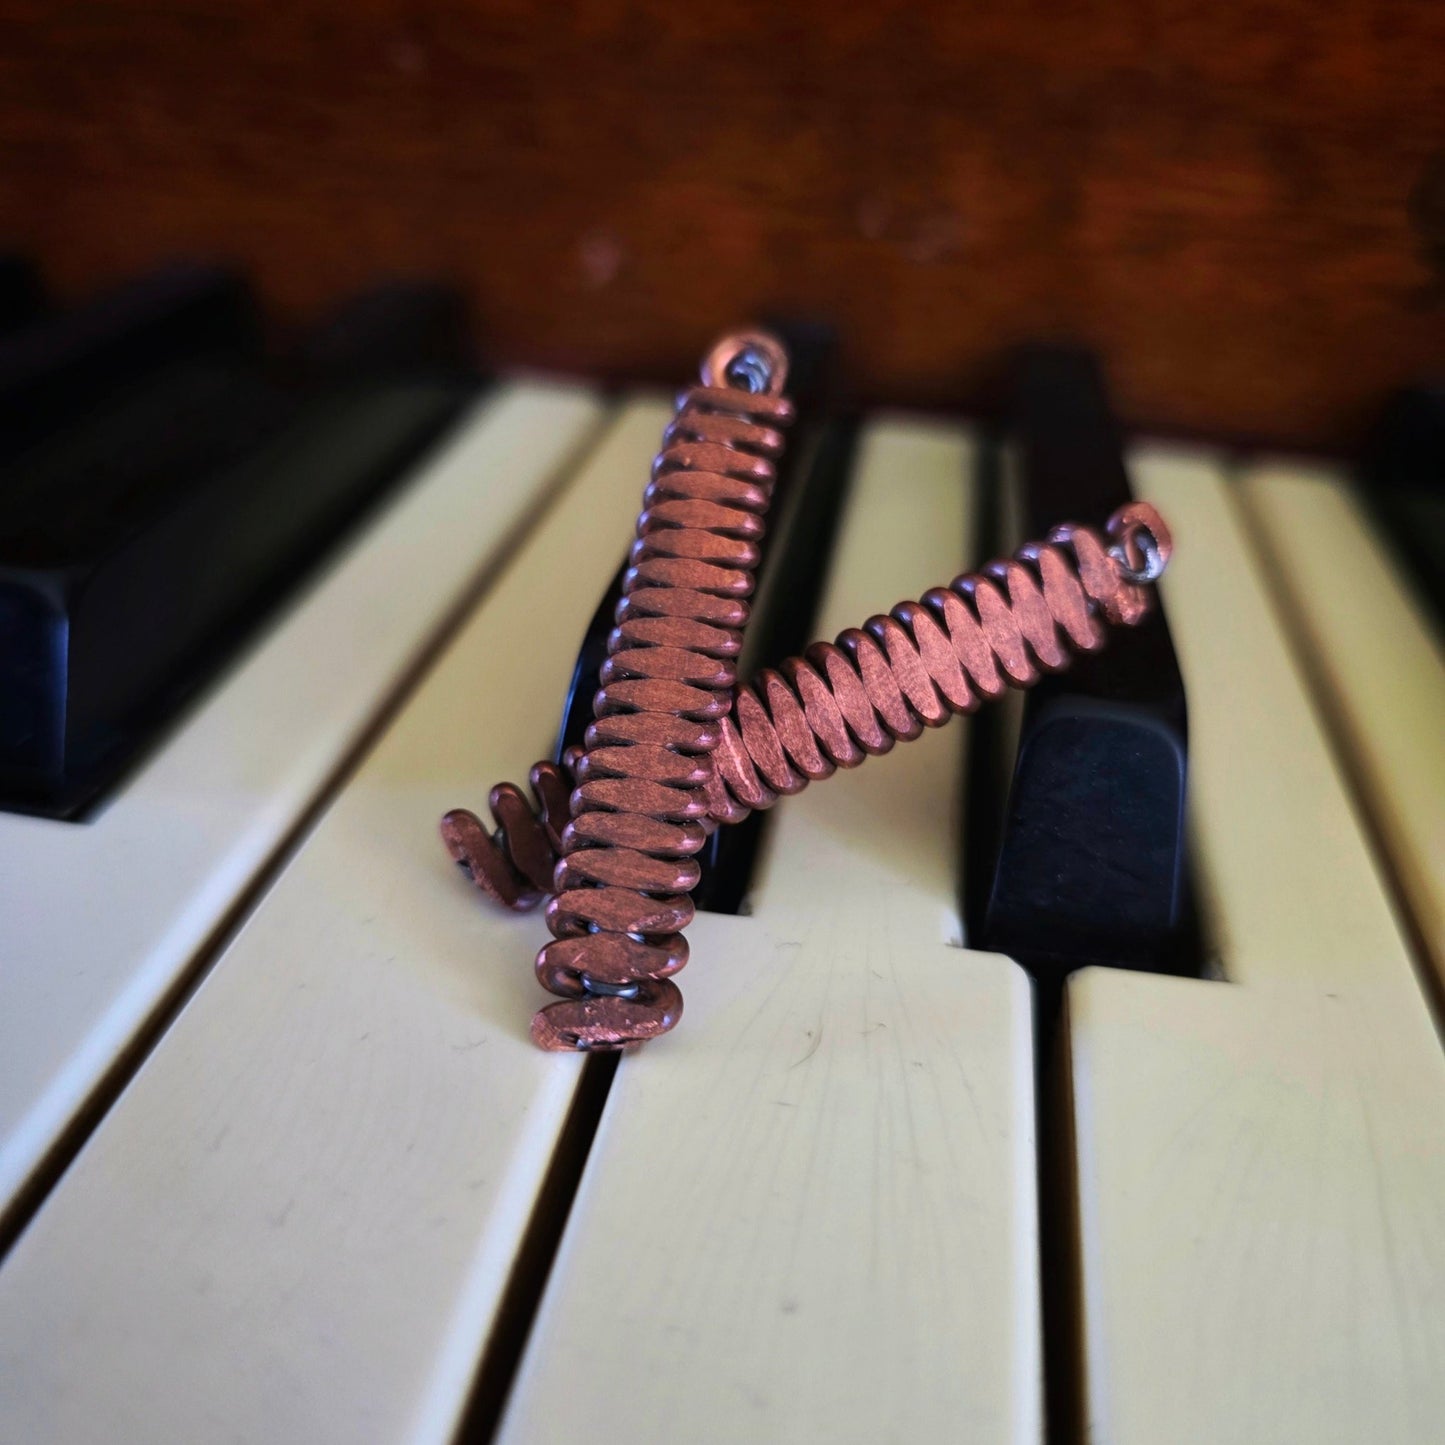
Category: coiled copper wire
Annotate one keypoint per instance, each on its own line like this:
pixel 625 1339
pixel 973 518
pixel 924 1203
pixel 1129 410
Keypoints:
pixel 926 661
pixel 674 751
pixel 625 844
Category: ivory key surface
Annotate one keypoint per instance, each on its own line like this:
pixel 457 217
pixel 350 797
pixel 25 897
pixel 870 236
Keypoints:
pixel 296 1222
pixel 1260 1162
pixel 1378 664
pixel 99 920
pixel 809 1213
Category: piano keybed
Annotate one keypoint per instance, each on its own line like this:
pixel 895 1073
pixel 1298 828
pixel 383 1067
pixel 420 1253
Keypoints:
pixel 281 1163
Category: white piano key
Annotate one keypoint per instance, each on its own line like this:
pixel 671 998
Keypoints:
pixel 809 1213
pixel 101 919
pixel 1291 891
pixel 1260 1182
pixel 1379 667
pixel 296 1222
pixel 1260 1162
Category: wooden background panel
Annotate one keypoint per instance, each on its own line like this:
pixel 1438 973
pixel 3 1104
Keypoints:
pixel 1243 205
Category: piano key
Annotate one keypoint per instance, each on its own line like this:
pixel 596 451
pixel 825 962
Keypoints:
pixel 55 370
pixel 22 293
pixel 1294 894
pixel 1087 857
pixel 1259 1162
pixel 102 920
pixel 1402 484
pixel 809 1213
pixel 138 551
pixel 1089 867
pixel 1260 1182
pixel 296 1222
pixel 1377 662
pixel 91 634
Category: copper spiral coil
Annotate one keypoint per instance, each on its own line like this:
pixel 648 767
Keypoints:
pixel 964 644
pixel 514 864
pixel 624 871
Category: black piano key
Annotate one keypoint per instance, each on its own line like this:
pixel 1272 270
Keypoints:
pixel 142 547
pixel 1089 865
pixel 1402 479
pixel 577 713
pixel 54 372
pixel 76 512
pixel 22 293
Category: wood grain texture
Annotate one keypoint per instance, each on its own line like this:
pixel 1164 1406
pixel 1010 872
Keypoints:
pixel 1242 206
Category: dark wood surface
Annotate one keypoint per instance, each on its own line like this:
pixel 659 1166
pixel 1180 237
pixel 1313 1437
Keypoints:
pixel 1241 204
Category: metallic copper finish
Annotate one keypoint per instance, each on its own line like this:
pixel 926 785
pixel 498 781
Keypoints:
pixel 601 1021
pixel 1143 545
pixel 960 646
pixel 926 661
pixel 573 967
pixel 623 842
pixel 514 865
pixel 676 748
